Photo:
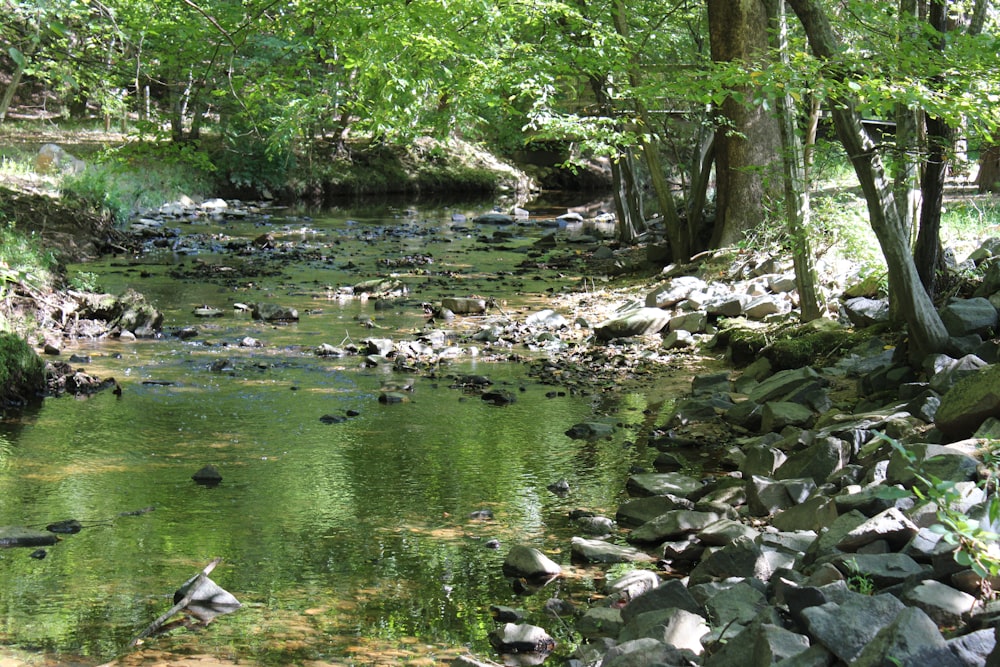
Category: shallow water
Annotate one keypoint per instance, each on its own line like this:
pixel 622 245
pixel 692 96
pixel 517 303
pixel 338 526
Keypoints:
pixel 348 543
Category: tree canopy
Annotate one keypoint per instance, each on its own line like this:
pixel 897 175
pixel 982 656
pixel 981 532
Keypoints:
pixel 665 90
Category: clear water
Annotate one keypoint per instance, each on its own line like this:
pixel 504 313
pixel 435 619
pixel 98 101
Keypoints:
pixel 348 543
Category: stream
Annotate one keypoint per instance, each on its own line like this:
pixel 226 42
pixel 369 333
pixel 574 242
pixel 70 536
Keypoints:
pixel 350 540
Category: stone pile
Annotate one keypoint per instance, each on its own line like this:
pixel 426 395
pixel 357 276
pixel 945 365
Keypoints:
pixel 833 528
pixel 808 546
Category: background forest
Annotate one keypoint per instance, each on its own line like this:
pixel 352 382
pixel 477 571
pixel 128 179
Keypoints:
pixel 708 114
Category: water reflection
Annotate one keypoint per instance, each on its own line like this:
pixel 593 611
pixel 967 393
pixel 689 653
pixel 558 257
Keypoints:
pixel 341 539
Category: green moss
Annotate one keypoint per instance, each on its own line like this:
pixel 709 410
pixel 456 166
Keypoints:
pixel 790 346
pixel 22 372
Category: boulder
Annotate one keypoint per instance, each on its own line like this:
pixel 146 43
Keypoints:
pixel 519 639
pixel 599 551
pixel 970 402
pixel 962 317
pixel 845 629
pixel 633 323
pixel 272 312
pixel 530 563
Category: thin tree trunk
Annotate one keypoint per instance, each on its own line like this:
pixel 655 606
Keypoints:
pixel 8 93
pixel 793 176
pixel 680 242
pixel 927 251
pixel 926 331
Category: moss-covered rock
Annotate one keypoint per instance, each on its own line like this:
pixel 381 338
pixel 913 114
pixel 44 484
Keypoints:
pixel 790 346
pixel 22 372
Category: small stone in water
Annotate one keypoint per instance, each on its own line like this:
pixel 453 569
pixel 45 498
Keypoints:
pixel 207 476
pixel 38 554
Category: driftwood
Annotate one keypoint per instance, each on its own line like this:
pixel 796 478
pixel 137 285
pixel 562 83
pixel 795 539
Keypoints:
pixel 198 591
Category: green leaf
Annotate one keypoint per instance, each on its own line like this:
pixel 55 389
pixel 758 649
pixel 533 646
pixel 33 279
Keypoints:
pixel 16 55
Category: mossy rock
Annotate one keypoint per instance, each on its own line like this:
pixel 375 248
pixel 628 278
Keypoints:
pixel 22 371
pixel 787 347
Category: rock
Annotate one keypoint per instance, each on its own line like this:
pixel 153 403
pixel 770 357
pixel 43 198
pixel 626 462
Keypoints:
pixel 762 645
pixel 521 639
pixel 637 511
pixel 776 415
pixel 52 158
pixel 600 622
pixel 673 292
pixel 817 461
pixel 962 317
pixel 530 563
pixel 892 526
pixel 881 569
pixel 499 397
pixel 674 627
pixel 19 536
pixel 599 551
pixel 207 476
pixel 671 594
pixel 657 484
pixel 784 384
pixel 464 306
pixel 647 651
pixel 494 218
pixel 901 641
pixel 633 323
pixel 272 312
pixel 631 584
pixel 671 525
pixel 590 431
pixel 864 312
pixel 945 605
pixel 739 604
pixel 968 403
pixel 845 629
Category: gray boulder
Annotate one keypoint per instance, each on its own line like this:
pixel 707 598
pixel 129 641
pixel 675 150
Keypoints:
pixel 970 402
pixel 599 551
pixel 845 629
pixel 633 323
pixel 962 317
pixel 530 563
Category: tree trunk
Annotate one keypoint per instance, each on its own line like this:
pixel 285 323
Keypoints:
pixel 8 93
pixel 677 233
pixel 927 252
pixel 793 177
pixel 926 331
pixel 748 138
pixel 988 179
pixel 906 189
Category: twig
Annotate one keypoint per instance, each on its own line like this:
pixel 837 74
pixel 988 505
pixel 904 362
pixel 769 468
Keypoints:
pixel 184 601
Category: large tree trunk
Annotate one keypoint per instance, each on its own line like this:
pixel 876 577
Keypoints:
pixel 747 140
pixel 926 331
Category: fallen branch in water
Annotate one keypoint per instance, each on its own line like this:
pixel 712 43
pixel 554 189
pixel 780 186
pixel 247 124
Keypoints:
pixel 183 602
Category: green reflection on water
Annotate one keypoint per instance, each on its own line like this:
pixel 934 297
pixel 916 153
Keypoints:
pixel 341 539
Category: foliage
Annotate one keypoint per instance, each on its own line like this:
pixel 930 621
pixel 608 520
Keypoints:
pixel 122 181
pixel 22 372
pixel 22 259
pixel 975 545
pixel 858 581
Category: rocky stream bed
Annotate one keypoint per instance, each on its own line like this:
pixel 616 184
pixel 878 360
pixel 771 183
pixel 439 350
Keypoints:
pixel 785 518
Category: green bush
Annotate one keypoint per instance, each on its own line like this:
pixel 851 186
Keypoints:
pixel 22 372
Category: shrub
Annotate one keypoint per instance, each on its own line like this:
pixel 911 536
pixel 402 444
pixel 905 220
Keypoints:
pixel 22 372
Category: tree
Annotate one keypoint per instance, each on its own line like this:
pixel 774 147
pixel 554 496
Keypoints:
pixel 747 139
pixel 926 331
pixel 796 185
